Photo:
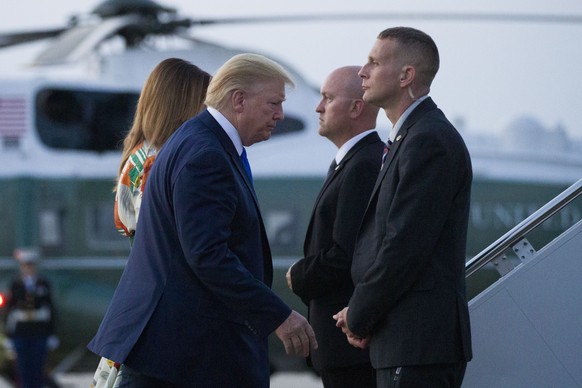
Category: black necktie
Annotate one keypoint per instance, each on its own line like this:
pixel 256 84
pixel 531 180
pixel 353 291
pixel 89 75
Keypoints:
pixel 246 165
pixel 332 168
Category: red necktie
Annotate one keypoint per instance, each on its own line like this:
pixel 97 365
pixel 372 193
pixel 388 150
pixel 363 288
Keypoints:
pixel 386 149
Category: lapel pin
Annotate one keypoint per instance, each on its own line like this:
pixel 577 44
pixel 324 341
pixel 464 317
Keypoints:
pixel 398 137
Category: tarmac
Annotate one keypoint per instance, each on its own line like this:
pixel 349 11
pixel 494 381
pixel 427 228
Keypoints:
pixel 278 380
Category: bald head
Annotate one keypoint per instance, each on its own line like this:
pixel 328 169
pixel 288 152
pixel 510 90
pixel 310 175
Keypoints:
pixel 348 81
pixel 342 112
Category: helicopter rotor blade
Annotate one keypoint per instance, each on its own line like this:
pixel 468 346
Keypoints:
pixel 12 39
pixel 427 16
pixel 136 19
pixel 81 40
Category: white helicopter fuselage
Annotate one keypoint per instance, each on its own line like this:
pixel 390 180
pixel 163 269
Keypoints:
pixel 126 71
pixel 57 193
pixel 515 172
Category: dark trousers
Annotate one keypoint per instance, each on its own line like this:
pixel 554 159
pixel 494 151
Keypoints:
pixel 422 376
pixel 130 378
pixel 30 359
pixel 355 376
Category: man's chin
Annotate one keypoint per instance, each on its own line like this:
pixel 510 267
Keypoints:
pixel 371 100
pixel 367 97
pixel 264 137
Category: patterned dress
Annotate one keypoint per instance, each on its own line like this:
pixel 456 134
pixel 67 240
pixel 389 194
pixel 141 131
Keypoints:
pixel 130 187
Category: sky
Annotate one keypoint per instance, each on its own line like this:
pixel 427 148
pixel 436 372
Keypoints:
pixel 491 72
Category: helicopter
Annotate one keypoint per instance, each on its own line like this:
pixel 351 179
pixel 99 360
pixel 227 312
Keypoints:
pixel 63 117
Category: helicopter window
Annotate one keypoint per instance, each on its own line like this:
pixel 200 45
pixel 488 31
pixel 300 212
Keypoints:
pixel 84 120
pixel 98 121
pixel 289 124
pixel 99 229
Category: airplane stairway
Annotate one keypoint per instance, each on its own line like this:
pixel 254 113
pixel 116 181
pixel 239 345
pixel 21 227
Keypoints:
pixel 527 326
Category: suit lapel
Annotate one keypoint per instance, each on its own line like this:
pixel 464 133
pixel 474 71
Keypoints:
pixel 370 138
pixel 328 181
pixel 424 107
pixel 390 157
pixel 235 159
pixel 229 148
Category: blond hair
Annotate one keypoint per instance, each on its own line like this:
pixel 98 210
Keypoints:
pixel 243 72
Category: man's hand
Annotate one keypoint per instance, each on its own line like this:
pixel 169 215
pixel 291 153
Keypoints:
pixel 358 342
pixel 288 277
pixel 342 319
pixel 342 322
pixel 297 335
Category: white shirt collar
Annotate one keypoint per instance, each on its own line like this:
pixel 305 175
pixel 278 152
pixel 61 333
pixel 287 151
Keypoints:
pixel 349 144
pixel 228 128
pixel 404 116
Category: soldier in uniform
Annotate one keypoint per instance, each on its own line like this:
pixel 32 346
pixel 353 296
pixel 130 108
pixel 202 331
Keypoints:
pixel 29 319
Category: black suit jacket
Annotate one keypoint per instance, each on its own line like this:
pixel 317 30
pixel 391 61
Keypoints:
pixel 322 278
pixel 409 260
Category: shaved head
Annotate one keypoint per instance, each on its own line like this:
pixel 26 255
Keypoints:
pixel 343 113
pixel 348 81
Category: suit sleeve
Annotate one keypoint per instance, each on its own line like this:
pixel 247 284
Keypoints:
pixel 329 269
pixel 424 180
pixel 208 208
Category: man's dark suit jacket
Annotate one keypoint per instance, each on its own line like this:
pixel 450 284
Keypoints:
pixel 409 259
pixel 194 304
pixel 322 278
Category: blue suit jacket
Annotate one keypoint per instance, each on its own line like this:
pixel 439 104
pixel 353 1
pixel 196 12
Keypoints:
pixel 194 304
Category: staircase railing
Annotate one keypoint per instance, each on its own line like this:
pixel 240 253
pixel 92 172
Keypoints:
pixel 515 238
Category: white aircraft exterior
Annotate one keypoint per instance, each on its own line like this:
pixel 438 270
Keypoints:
pixel 56 195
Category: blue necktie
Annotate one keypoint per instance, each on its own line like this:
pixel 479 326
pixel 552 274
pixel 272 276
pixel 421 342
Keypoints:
pixel 246 165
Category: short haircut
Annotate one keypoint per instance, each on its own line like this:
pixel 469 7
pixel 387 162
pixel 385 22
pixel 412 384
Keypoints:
pixel 417 49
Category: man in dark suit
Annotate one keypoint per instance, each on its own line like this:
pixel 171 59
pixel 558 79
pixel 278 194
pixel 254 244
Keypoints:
pixel 322 278
pixel 194 306
pixel 409 303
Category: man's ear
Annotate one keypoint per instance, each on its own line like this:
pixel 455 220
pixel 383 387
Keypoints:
pixel 407 75
pixel 238 100
pixel 356 107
